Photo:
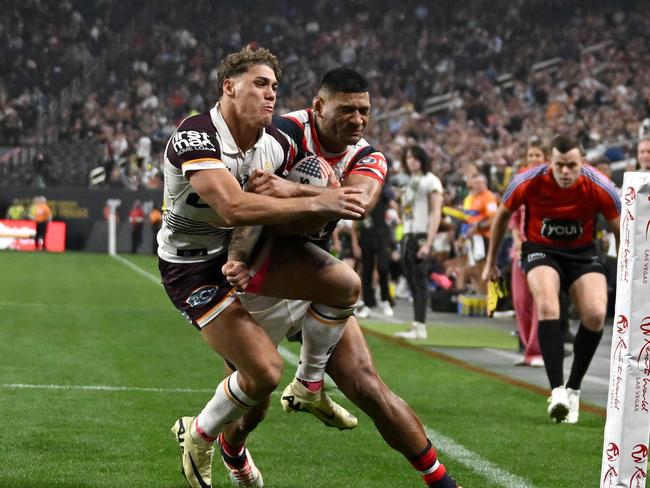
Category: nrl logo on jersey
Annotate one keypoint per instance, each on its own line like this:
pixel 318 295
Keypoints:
pixel 192 140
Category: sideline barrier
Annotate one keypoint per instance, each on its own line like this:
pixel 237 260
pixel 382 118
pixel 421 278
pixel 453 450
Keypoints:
pixel 625 449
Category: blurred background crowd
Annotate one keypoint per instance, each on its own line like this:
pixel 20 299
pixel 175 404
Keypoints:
pixel 109 82
pixel 91 91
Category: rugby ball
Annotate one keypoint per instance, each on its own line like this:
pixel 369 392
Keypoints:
pixel 311 170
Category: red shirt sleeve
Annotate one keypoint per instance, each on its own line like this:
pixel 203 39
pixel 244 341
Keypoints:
pixel 607 199
pixel 372 165
pixel 513 197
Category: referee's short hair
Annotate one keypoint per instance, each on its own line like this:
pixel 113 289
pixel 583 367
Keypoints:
pixel 565 143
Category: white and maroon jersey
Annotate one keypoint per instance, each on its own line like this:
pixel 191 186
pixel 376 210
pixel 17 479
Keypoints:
pixel 192 231
pixel 360 158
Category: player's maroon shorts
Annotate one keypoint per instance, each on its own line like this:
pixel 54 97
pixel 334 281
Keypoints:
pixel 198 290
pixel 570 264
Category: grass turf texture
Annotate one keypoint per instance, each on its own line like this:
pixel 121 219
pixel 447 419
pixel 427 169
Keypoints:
pixel 84 319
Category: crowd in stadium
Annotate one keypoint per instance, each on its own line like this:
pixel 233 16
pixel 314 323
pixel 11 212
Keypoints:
pixel 498 99
pixel 491 98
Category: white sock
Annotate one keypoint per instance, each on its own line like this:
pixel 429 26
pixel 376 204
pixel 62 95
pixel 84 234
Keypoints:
pixel 321 330
pixel 228 403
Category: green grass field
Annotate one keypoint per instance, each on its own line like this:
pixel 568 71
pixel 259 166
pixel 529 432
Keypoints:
pixel 96 364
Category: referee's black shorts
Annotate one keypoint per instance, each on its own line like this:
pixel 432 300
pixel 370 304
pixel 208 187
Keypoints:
pixel 570 264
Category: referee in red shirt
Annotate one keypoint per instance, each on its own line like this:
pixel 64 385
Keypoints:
pixel 562 201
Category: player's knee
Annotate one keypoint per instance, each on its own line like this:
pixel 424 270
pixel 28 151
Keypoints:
pixel 352 289
pixel 547 310
pixel 266 377
pixel 594 319
pixel 273 375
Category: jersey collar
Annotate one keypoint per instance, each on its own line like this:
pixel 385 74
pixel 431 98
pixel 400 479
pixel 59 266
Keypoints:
pixel 228 144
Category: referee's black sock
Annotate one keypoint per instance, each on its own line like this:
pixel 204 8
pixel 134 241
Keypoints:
pixel 550 336
pixel 584 348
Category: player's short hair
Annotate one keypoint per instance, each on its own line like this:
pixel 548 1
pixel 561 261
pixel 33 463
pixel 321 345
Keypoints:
pixel 238 63
pixel 565 143
pixel 418 153
pixel 343 80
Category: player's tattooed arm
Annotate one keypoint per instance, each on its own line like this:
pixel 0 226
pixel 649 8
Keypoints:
pixel 236 269
pixel 242 243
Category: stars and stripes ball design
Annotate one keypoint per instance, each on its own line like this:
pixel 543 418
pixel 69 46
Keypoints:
pixel 311 170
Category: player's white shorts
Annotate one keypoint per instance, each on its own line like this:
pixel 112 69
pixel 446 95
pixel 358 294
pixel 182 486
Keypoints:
pixel 279 317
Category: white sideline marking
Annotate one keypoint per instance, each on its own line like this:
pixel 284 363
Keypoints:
pixel 475 462
pixel 137 269
pixel 128 389
pixel 25 386
pixel 466 457
pixel 515 357
pixel 73 306
pixel 288 356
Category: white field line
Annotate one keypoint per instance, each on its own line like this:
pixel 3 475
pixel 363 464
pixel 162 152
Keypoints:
pixel 155 279
pixel 84 306
pixel 469 459
pixel 109 388
pixel 476 463
pixel 26 386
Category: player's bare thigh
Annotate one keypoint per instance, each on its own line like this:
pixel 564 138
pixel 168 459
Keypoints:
pixel 300 270
pixel 589 294
pixel 544 284
pixel 235 336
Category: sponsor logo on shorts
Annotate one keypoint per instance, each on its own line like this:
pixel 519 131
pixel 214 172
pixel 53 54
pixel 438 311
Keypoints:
pixel 192 140
pixel 561 229
pixel 534 256
pixel 202 296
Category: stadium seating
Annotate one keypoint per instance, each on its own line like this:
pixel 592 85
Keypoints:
pixel 467 91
